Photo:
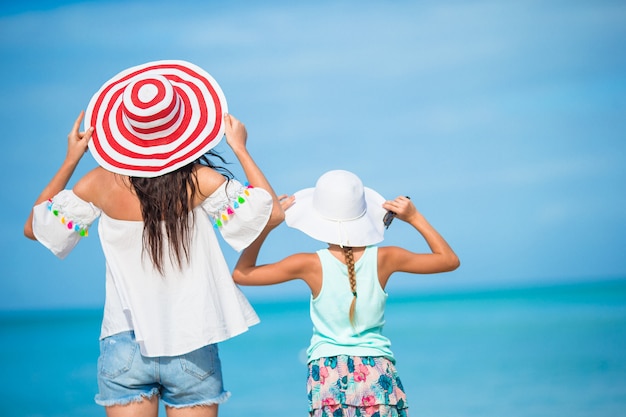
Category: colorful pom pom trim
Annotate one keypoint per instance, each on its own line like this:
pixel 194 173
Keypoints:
pixel 228 210
pixel 81 230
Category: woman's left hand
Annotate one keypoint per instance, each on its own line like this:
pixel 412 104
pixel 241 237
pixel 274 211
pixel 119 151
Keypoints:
pixel 403 207
pixel 77 141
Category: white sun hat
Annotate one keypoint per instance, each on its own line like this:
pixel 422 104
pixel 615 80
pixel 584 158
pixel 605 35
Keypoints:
pixel 339 210
pixel 154 118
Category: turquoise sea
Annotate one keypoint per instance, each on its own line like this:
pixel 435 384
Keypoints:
pixel 554 351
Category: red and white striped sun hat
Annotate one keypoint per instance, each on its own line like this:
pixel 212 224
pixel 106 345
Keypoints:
pixel 155 118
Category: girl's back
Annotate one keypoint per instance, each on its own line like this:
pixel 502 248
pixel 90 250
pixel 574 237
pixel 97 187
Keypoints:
pixel 335 330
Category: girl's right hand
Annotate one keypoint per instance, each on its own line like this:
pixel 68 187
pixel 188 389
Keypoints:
pixel 286 201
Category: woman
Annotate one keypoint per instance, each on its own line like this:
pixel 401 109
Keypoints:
pixel 170 297
pixel 351 366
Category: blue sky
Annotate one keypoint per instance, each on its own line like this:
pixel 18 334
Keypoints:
pixel 504 121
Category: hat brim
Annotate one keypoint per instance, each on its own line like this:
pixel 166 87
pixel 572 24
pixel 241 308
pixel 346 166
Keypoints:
pixel 199 129
pixel 364 231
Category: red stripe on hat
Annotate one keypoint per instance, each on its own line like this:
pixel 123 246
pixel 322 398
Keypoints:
pixel 157 116
pixel 147 143
pixel 156 99
pixel 163 114
pixel 159 128
pixel 119 119
pixel 95 138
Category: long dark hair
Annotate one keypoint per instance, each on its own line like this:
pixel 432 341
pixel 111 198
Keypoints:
pixel 165 207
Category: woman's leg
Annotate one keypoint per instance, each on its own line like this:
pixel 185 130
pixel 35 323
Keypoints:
pixel 197 411
pixel 148 407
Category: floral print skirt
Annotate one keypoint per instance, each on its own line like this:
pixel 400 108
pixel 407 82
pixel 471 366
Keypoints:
pixel 354 386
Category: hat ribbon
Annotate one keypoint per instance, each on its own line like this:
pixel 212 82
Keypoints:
pixel 340 225
pixel 340 230
pixel 343 220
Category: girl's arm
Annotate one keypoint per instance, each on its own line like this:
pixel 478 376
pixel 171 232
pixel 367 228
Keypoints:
pixel 305 266
pixel 395 259
pixel 76 147
pixel 236 136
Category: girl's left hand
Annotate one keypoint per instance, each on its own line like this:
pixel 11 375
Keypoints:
pixel 403 207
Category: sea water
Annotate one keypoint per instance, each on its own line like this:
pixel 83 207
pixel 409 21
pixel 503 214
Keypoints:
pixel 545 351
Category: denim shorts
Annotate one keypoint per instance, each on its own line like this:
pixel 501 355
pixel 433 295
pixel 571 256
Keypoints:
pixel 125 376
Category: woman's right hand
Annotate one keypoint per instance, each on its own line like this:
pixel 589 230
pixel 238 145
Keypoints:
pixel 236 133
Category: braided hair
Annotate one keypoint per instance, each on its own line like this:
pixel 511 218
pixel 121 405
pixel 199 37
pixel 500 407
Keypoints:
pixel 349 258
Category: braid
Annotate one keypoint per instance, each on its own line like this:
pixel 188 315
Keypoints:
pixel 349 257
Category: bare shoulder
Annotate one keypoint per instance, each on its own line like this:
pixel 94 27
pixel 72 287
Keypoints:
pixel 209 180
pixel 303 261
pixel 308 267
pixel 396 259
pixel 388 252
pixel 94 184
pixel 390 259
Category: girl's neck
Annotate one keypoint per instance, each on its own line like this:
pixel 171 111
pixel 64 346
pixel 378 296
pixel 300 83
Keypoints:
pixel 337 252
pixel 332 246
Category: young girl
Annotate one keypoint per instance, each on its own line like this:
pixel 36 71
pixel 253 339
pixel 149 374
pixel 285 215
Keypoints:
pixel 351 366
pixel 170 297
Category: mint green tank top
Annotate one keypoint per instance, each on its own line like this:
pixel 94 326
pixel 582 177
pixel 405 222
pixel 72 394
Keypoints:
pixel 333 334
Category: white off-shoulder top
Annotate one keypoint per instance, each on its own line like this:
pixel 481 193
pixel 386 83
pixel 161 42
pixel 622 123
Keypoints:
pixel 183 309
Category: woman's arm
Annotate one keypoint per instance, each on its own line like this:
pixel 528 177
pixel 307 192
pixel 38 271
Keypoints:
pixel 76 147
pixel 236 136
pixel 441 259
